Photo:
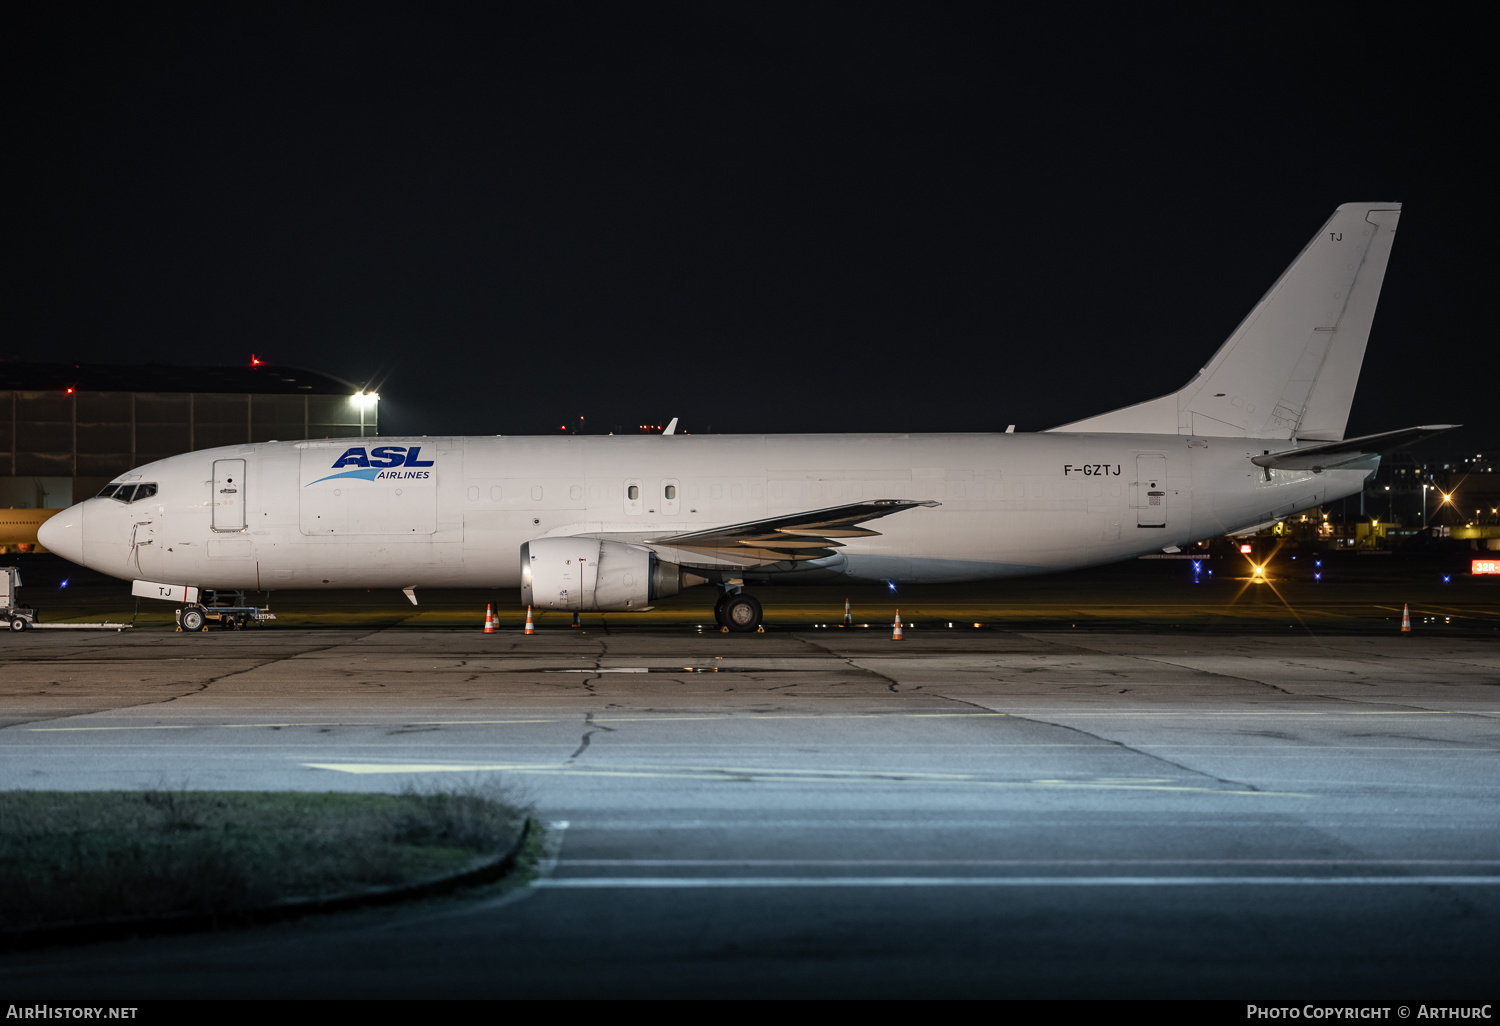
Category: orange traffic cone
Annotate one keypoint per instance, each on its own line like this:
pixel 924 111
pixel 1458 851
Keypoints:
pixel 1405 619
pixel 529 628
pixel 896 634
pixel 848 617
pixel 489 619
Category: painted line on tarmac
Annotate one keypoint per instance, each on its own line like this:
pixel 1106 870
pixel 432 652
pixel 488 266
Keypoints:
pixel 691 882
pixel 860 863
pixel 756 718
pixel 711 775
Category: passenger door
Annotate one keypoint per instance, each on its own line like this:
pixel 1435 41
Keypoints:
pixel 1150 490
pixel 228 503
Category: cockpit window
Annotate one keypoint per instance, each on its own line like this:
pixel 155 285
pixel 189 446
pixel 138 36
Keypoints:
pixel 128 492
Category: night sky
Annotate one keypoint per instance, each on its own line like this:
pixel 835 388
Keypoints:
pixel 755 217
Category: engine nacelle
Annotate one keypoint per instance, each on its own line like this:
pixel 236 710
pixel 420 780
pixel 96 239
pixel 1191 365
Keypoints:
pixel 586 574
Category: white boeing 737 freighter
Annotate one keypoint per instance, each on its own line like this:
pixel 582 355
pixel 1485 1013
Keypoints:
pixel 615 522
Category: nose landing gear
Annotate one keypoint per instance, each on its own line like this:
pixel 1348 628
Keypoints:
pixel 231 615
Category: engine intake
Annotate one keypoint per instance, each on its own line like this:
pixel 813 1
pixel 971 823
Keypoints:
pixel 587 574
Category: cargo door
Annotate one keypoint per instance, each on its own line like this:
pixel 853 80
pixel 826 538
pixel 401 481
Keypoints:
pixel 388 490
pixel 1151 491
pixel 228 502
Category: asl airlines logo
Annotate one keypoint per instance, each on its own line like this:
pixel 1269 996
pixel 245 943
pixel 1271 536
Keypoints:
pixel 379 464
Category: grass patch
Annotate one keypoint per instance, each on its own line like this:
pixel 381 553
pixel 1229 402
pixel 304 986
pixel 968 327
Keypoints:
pixel 94 856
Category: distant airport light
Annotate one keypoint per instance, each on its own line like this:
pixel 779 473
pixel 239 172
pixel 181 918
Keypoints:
pixel 1260 571
pixel 365 400
pixel 255 361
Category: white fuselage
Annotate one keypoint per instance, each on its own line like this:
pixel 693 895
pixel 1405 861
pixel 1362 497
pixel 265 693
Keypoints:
pixel 1008 504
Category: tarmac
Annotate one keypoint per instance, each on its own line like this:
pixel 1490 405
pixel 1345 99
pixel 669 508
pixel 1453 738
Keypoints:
pixel 1237 791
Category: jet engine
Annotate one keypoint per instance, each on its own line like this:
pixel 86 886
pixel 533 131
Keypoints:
pixel 590 574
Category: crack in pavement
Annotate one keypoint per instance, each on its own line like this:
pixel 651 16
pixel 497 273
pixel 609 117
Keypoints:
pixel 1104 740
pixel 891 683
pixel 199 688
pixel 588 735
pixel 588 718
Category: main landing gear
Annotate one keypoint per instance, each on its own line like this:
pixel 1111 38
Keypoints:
pixel 737 612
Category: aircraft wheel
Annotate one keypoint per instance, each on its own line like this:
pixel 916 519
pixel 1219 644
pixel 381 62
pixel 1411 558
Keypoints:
pixel 192 619
pixel 742 613
pixel 719 611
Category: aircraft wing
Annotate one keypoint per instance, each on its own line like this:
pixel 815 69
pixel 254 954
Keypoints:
pixel 796 537
pixel 1328 455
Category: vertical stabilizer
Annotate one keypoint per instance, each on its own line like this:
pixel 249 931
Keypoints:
pixel 1289 369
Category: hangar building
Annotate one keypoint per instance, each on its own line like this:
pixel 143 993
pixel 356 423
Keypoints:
pixel 67 429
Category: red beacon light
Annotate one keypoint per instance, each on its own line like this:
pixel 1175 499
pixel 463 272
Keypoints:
pixel 255 361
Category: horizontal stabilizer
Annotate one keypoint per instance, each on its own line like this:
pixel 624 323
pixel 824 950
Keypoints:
pixel 1328 455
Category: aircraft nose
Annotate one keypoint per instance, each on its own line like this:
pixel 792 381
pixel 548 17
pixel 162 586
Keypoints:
pixel 63 534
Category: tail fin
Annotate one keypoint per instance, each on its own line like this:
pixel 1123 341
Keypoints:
pixel 1289 369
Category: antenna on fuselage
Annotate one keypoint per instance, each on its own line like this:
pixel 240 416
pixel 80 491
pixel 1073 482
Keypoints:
pixel 671 427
